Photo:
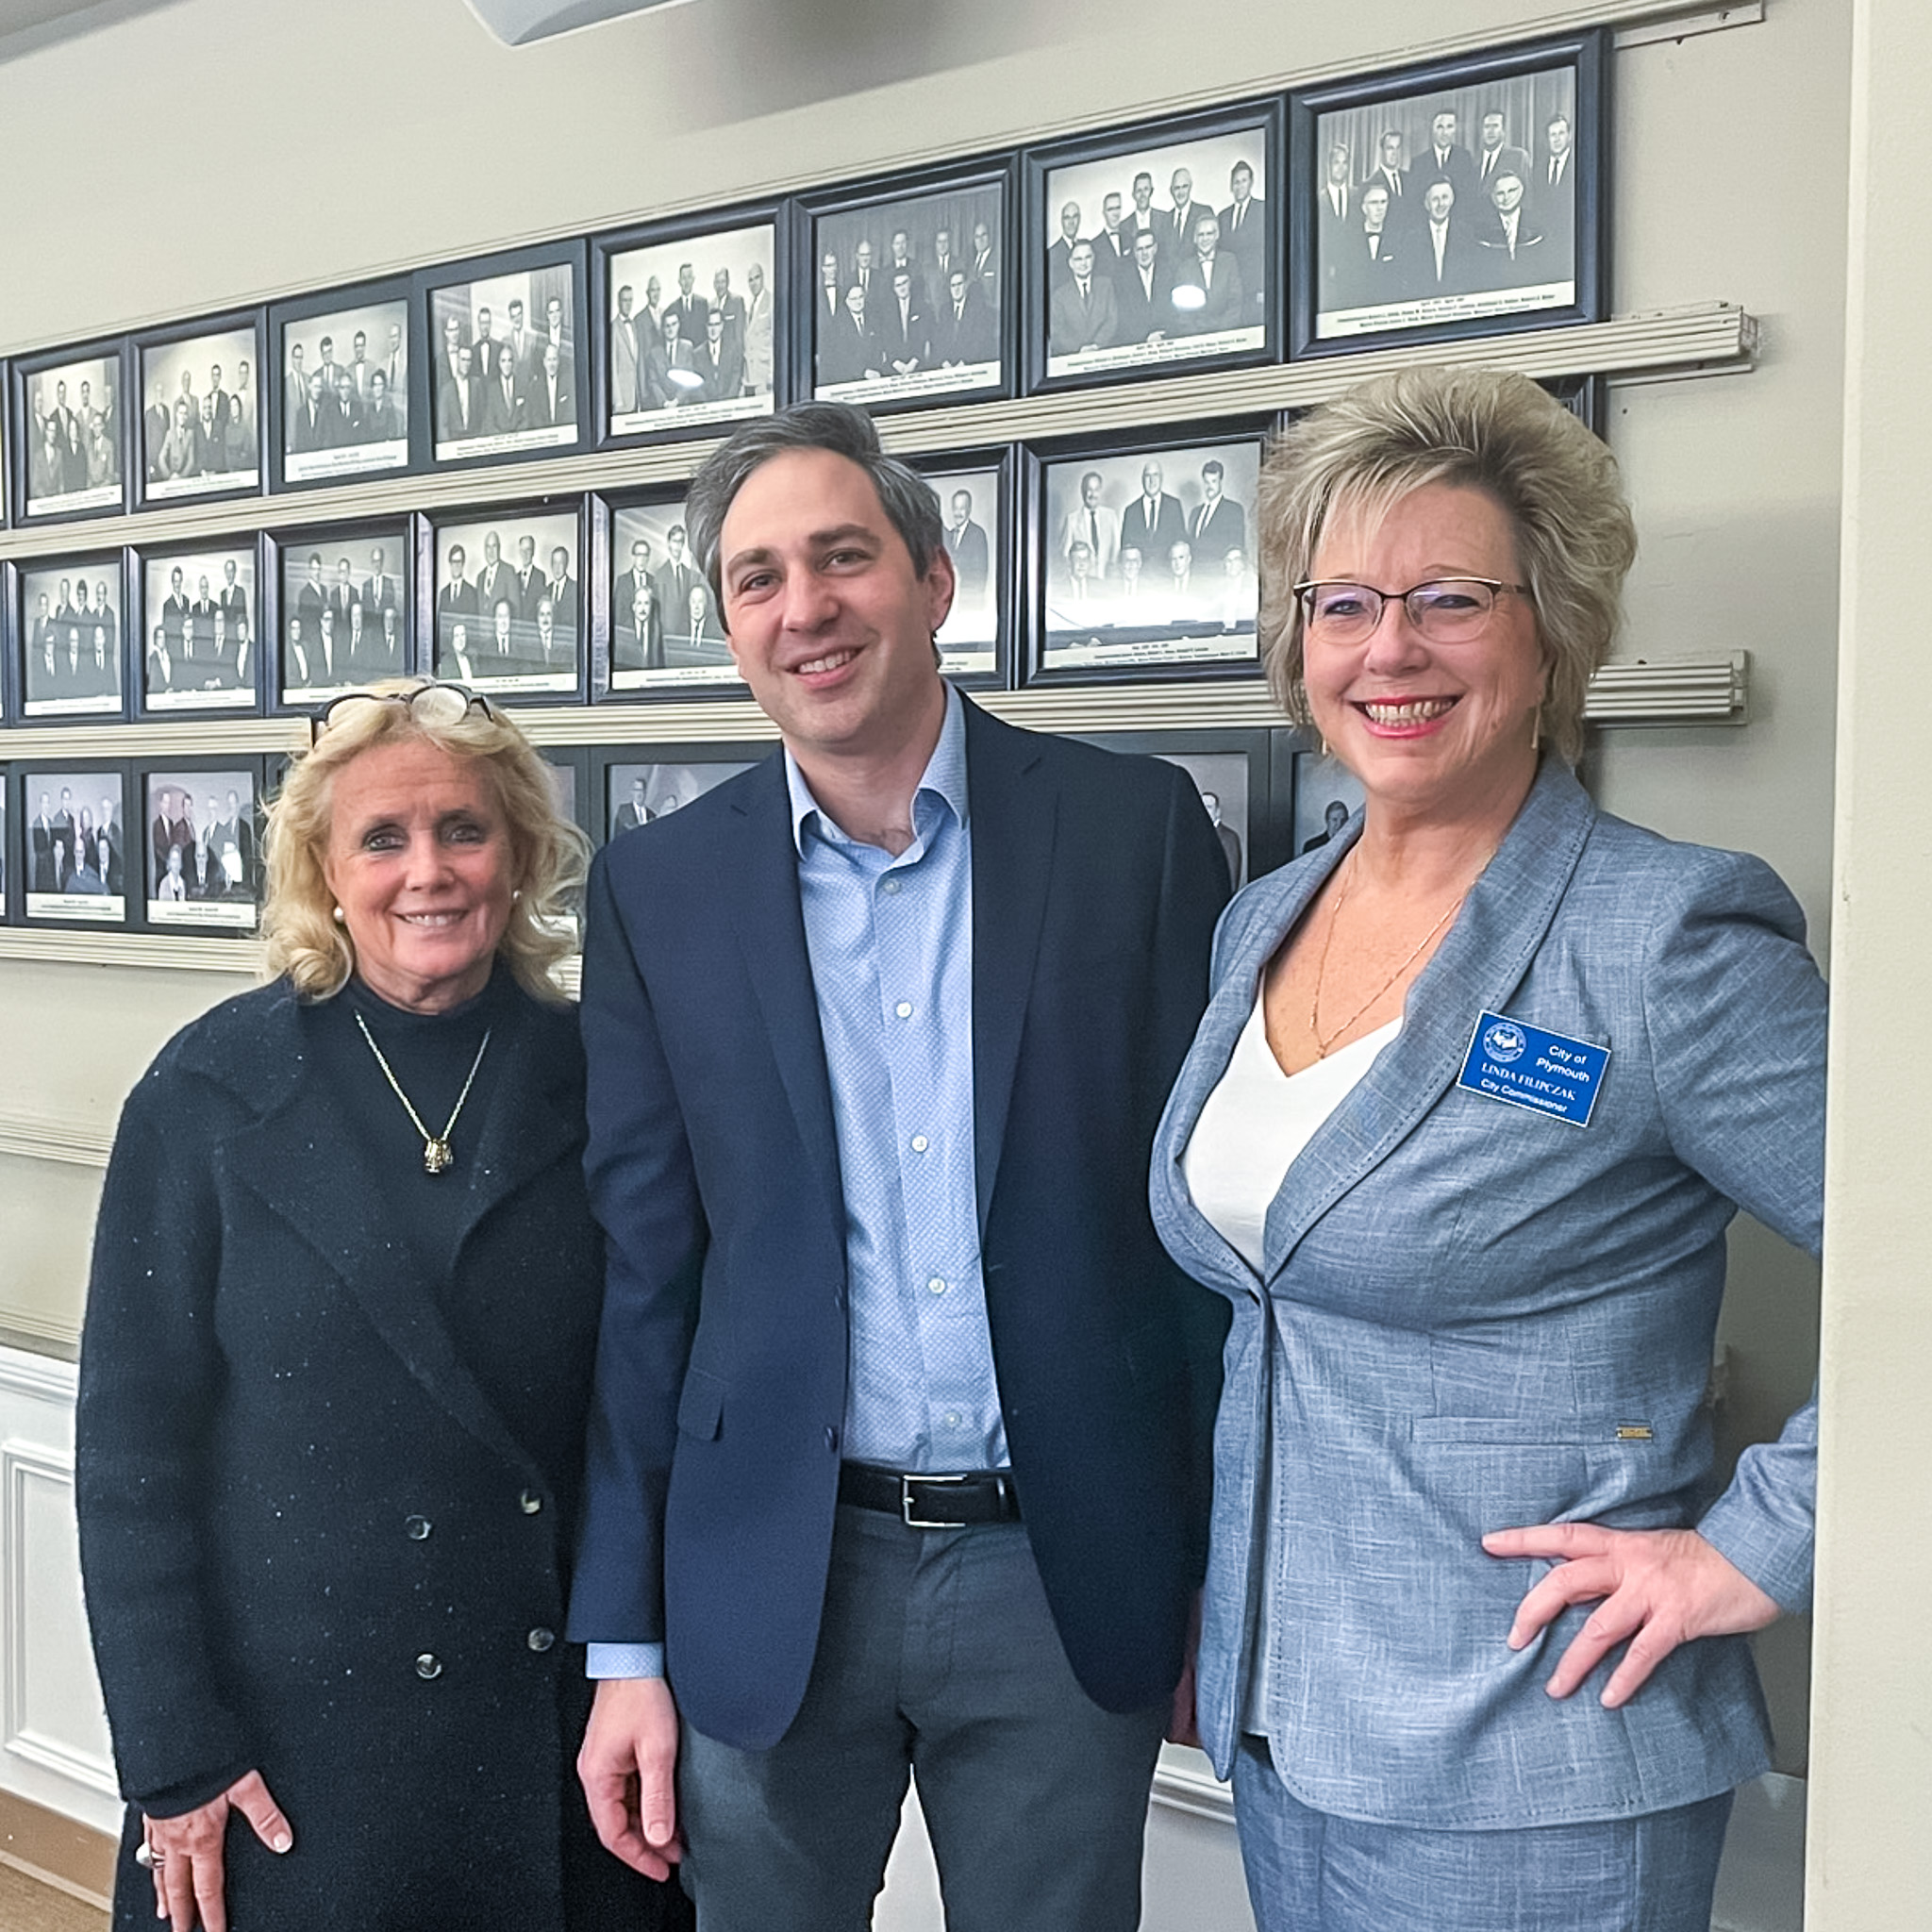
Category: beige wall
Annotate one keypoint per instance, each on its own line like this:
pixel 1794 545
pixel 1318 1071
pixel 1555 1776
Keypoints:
pixel 239 148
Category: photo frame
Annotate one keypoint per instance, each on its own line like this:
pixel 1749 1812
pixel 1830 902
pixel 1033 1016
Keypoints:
pixel 508 600
pixel 1238 773
pixel 200 851
pixel 949 332
pixel 975 492
pixel 10 866
pixel 1155 250
pixel 343 610
pixel 69 639
pixel 666 637
pixel 634 785
pixel 497 393
pixel 347 401
pixel 1142 563
pixel 662 370
pixel 74 843
pixel 199 644
pixel 68 434
pixel 1381 255
pixel 201 426
pixel 1327 795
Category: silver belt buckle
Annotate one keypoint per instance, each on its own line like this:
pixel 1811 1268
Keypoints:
pixel 913 1522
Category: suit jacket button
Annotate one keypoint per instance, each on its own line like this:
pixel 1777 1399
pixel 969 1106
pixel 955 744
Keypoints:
pixel 416 1527
pixel 428 1665
pixel 540 1639
pixel 529 1502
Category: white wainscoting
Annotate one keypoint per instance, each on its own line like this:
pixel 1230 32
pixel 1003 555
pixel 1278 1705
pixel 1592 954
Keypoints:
pixel 54 1747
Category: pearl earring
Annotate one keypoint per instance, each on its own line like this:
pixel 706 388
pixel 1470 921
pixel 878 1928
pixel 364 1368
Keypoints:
pixel 338 915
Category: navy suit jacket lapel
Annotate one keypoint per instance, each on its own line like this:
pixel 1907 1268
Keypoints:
pixel 770 930
pixel 1015 813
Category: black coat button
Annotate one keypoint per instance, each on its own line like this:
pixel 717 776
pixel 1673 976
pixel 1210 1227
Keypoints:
pixel 529 1502
pixel 540 1639
pixel 416 1527
pixel 428 1665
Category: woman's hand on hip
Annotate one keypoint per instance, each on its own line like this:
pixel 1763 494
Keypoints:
pixel 187 1851
pixel 1655 1587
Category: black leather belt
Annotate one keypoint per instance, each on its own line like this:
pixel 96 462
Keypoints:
pixel 931 1502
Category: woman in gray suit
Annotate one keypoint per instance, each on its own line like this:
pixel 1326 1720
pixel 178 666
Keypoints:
pixel 1481 1084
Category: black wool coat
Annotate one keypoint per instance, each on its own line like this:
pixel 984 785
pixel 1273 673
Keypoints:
pixel 314 1541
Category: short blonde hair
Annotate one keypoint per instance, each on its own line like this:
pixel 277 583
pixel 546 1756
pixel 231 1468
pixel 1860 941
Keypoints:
pixel 1479 428
pixel 547 853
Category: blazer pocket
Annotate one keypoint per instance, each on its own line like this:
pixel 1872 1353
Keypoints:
pixel 1525 1431
pixel 700 1406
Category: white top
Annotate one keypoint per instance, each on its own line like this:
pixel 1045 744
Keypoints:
pixel 1257 1121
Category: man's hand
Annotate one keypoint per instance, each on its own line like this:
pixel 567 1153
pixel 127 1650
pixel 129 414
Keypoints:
pixel 628 1767
pixel 1658 1587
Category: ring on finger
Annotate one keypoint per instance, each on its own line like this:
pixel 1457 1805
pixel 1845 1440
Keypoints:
pixel 147 1856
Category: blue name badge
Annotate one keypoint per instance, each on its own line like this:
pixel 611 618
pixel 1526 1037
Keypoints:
pixel 1545 1072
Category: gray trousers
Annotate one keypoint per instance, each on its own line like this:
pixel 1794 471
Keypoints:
pixel 937 1658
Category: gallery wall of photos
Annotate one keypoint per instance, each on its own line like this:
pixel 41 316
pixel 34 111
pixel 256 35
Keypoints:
pixel 1431 205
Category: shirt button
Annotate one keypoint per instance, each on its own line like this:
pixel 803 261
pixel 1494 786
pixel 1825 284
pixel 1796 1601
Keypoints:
pixel 904 1009
pixel 540 1639
pixel 952 1418
pixel 416 1527
pixel 529 1502
pixel 428 1665
pixel 891 886
pixel 920 1143
pixel 938 1283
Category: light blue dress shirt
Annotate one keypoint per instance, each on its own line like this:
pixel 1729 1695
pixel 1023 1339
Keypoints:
pixel 890 944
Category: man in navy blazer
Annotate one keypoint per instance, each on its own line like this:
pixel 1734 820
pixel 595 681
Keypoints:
pixel 900 1413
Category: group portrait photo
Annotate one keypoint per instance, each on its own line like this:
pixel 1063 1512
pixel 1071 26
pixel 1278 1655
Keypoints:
pixel 690 330
pixel 509 602
pixel 344 611
pixel 665 627
pixel 74 843
pixel 201 415
pixel 202 849
pixel 69 438
pixel 199 618
pixel 503 369
pixel 345 391
pixel 70 638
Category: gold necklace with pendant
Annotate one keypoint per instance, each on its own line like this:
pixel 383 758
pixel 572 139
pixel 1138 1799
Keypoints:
pixel 436 1158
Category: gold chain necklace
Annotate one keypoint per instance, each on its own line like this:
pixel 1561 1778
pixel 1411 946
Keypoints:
pixel 1322 1044
pixel 436 1158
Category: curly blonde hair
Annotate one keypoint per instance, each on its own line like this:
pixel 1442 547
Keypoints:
pixel 548 853
pixel 1485 429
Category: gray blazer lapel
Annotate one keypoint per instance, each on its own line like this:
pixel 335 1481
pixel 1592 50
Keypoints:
pixel 1476 968
pixel 771 931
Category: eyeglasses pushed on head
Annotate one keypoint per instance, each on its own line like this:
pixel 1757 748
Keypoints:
pixel 434 704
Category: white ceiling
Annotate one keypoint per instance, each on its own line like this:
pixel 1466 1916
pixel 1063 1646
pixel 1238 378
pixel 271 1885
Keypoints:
pixel 28 23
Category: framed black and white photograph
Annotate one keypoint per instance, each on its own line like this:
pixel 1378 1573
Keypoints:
pixel 67 434
pixel 691 335
pixel 1460 199
pixel 1326 796
pixel 973 506
pixel 73 845
pixel 344 389
pixel 201 848
pixel 1235 770
pixel 201 423
pixel 569 767
pixel 70 634
pixel 637 791
pixel 510 601
pixel 665 630
pixel 198 643
pixel 1155 250
pixel 1143 558
pixel 343 610
pixel 508 361
pixel 911 300
pixel 6 849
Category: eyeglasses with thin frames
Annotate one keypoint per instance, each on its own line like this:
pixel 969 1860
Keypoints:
pixel 431 704
pixel 1447 611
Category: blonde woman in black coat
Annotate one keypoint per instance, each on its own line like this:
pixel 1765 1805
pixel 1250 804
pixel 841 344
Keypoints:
pixel 338 1336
